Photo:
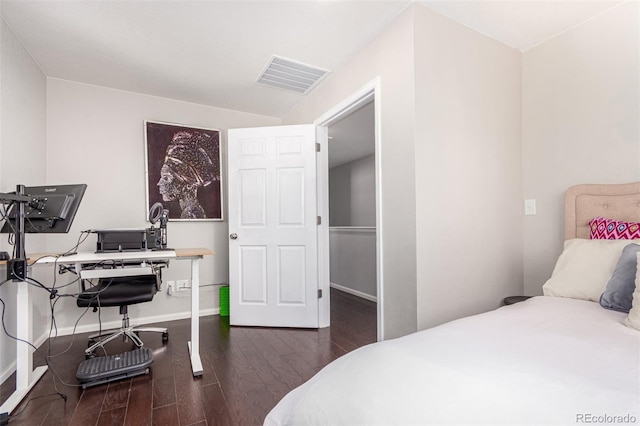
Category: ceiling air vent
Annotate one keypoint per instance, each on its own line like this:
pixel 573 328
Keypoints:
pixel 291 75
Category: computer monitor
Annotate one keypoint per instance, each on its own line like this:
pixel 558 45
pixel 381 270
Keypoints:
pixel 51 209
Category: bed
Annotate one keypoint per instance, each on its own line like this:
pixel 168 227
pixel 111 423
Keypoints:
pixel 561 358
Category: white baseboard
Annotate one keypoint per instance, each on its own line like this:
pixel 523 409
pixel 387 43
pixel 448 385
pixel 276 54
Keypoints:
pixel 11 368
pixel 135 321
pixel 354 292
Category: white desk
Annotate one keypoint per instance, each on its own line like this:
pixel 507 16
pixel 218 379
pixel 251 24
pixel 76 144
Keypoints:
pixel 27 377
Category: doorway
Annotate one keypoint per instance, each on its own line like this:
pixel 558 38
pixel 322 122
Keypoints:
pixel 350 249
pixel 352 212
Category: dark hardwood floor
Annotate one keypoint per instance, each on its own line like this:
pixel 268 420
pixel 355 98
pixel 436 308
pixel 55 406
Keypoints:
pixel 246 372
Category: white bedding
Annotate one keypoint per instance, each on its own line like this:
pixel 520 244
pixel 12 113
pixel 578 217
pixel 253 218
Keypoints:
pixel 547 360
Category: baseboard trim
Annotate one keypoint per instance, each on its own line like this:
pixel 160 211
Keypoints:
pixel 11 368
pixel 354 292
pixel 137 321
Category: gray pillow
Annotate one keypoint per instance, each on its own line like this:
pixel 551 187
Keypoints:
pixel 619 292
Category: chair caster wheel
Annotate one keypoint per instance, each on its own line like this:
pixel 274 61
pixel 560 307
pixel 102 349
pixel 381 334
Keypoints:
pixel 165 337
pixel 91 342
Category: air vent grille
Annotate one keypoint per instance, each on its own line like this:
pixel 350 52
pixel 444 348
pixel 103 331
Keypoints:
pixel 291 75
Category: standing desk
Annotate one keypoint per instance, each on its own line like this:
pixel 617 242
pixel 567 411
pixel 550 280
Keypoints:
pixel 27 377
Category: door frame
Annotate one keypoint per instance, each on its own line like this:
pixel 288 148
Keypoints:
pixel 367 93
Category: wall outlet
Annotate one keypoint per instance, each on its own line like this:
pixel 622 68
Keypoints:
pixel 182 285
pixel 529 207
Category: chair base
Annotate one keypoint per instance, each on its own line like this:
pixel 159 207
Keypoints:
pixel 130 333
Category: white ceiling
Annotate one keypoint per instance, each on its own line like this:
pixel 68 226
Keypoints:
pixel 521 24
pixel 206 52
pixel 212 52
pixel 353 137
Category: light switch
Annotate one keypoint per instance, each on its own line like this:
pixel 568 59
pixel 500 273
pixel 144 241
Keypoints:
pixel 529 207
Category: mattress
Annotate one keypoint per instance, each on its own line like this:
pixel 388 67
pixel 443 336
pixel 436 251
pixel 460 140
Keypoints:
pixel 548 360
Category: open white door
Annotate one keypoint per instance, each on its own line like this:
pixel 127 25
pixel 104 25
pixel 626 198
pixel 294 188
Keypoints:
pixel 273 262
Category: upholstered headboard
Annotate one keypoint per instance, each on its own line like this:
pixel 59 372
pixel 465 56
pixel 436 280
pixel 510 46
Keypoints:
pixel 613 201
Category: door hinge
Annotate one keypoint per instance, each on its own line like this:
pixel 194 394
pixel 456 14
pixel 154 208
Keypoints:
pixel 317 146
pixel 319 220
pixel 319 293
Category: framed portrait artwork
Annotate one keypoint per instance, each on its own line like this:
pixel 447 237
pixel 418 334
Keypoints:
pixel 183 170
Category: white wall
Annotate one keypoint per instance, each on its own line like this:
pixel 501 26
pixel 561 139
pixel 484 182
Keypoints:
pixel 390 57
pixel 352 193
pixel 352 203
pixel 468 170
pixel 363 192
pixel 22 161
pixel 353 260
pixel 581 109
pixel 340 195
pixel 95 136
pixel 451 166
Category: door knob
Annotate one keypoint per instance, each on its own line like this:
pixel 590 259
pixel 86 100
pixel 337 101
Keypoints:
pixel 233 236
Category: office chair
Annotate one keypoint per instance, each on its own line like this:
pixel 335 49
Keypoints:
pixel 121 292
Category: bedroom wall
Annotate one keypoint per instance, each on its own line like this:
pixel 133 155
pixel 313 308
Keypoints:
pixel 581 103
pixel 451 166
pixel 95 136
pixel 22 161
pixel 390 57
pixel 353 261
pixel 340 195
pixel 352 193
pixel 352 233
pixel 468 170
pixel 363 192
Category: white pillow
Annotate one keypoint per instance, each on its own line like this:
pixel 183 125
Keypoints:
pixel 584 268
pixel 633 320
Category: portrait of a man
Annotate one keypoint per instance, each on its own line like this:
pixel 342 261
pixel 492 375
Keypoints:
pixel 183 170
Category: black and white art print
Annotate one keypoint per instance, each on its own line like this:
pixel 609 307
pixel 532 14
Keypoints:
pixel 183 170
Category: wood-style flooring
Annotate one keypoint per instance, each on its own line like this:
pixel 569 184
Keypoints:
pixel 246 372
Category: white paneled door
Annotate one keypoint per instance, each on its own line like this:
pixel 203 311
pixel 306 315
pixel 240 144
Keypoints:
pixel 273 262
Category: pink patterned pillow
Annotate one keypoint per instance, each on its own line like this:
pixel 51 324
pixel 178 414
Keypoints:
pixel 609 229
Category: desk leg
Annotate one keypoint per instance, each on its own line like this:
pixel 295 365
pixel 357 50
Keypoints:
pixel 26 377
pixel 194 344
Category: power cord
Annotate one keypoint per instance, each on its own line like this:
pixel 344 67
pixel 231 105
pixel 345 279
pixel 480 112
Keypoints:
pixel 5 417
pixel 54 297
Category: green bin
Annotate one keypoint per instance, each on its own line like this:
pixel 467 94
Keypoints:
pixel 224 301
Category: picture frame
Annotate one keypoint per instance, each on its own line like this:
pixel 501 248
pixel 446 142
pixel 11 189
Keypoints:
pixel 183 170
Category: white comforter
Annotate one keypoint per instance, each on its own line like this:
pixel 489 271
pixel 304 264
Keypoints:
pixel 544 361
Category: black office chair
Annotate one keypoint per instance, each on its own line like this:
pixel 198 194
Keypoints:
pixel 122 292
